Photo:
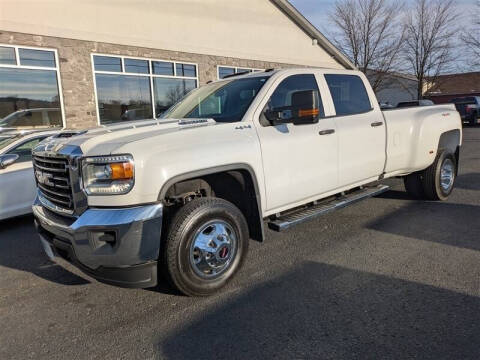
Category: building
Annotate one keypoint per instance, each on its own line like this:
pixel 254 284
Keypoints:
pixel 394 88
pixel 97 62
pixel 448 87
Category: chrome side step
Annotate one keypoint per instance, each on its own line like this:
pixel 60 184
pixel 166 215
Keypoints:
pixel 300 216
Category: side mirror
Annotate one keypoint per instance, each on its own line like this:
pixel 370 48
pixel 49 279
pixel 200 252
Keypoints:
pixel 304 110
pixel 7 160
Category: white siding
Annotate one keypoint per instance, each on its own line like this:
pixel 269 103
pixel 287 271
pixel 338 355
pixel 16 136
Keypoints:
pixel 248 29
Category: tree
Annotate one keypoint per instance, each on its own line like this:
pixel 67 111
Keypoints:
pixel 371 33
pixel 471 38
pixel 431 28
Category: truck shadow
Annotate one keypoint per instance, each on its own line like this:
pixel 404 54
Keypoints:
pixel 20 249
pixel 328 312
pixel 439 222
pixel 468 181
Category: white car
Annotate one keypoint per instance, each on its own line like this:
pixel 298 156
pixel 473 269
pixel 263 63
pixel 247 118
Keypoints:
pixel 185 193
pixel 27 119
pixel 17 181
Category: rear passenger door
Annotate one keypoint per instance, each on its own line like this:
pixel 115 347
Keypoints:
pixel 361 130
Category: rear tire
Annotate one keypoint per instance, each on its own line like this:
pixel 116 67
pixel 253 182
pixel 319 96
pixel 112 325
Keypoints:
pixel 206 245
pixel 439 178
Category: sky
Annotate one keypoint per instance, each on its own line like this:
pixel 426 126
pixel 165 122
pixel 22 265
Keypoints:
pixel 318 13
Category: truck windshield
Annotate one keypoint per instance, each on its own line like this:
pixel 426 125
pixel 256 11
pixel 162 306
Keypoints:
pixel 223 101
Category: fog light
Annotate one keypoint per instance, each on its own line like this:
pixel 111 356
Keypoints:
pixel 101 238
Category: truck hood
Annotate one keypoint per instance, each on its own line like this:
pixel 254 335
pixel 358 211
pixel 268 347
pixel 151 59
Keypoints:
pixel 104 140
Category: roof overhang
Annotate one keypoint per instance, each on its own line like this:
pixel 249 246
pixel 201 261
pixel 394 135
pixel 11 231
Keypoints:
pixel 289 10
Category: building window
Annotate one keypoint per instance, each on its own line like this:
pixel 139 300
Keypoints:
pixel 135 89
pixel 30 91
pixel 228 70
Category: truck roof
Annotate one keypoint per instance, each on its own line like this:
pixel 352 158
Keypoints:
pixel 292 71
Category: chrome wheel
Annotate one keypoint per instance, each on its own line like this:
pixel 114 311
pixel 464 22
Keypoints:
pixel 213 249
pixel 447 175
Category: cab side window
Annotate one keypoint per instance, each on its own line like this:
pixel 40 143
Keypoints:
pixel 349 94
pixel 24 151
pixel 282 95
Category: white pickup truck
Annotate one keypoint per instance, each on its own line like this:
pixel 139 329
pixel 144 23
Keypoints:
pixel 183 195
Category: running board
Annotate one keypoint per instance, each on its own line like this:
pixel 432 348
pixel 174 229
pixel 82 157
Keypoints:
pixel 298 217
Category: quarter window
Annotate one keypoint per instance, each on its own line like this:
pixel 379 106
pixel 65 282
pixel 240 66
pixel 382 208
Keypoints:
pixel 136 89
pixel 227 70
pixel 349 94
pixel 30 95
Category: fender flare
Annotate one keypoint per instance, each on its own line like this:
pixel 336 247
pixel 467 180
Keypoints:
pixel 221 169
pixel 450 140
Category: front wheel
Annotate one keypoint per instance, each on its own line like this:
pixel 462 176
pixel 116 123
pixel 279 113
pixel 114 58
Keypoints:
pixel 206 245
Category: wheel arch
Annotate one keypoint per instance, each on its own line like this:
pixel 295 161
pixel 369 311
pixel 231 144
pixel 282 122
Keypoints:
pixel 238 174
pixel 451 141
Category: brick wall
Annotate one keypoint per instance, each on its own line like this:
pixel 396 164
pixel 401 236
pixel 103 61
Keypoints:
pixel 76 68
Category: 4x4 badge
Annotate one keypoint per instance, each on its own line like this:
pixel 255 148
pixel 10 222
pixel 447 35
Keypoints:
pixel 241 127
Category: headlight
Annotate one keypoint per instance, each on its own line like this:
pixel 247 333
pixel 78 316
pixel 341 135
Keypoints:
pixel 105 175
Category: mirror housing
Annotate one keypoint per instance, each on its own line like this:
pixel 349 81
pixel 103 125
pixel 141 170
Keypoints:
pixel 7 160
pixel 303 111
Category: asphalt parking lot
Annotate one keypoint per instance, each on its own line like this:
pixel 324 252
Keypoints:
pixel 386 278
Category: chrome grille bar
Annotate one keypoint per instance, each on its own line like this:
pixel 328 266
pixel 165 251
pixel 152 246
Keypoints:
pixel 49 169
pixel 53 180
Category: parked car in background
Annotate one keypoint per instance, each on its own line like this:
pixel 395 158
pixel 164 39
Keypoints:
pixel 415 103
pixel 17 180
pixel 32 118
pixel 469 109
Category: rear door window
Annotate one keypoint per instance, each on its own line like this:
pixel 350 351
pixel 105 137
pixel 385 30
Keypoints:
pixel 349 94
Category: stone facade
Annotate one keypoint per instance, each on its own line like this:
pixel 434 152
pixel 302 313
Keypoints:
pixel 77 75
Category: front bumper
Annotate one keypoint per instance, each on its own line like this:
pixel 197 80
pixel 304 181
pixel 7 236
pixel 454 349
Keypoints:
pixel 118 246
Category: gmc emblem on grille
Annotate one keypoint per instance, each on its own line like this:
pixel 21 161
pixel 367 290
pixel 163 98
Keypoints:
pixel 44 178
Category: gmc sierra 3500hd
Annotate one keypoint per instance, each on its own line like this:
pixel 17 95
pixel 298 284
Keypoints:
pixel 184 194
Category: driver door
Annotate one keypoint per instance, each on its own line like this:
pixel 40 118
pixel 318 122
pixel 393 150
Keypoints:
pixel 299 161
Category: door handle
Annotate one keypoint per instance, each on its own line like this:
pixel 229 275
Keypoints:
pixel 378 123
pixel 326 132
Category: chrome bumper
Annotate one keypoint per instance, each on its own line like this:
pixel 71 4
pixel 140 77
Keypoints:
pixel 119 246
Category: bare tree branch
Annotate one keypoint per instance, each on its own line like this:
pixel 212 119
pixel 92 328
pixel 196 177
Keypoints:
pixel 471 38
pixel 431 27
pixel 371 34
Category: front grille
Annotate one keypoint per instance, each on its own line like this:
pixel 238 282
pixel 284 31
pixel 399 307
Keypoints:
pixel 53 180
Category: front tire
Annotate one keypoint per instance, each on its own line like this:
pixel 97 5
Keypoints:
pixel 206 245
